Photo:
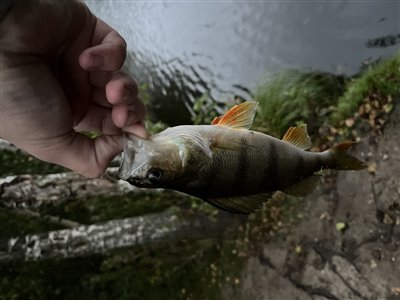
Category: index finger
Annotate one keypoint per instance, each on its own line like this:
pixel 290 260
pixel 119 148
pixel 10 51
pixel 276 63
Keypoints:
pixel 108 51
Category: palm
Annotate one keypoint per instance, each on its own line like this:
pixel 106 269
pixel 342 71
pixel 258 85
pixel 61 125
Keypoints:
pixel 60 88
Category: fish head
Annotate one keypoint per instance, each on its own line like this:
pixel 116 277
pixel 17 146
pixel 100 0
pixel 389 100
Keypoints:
pixel 170 159
pixel 148 163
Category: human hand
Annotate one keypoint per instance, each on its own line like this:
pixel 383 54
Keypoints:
pixel 60 73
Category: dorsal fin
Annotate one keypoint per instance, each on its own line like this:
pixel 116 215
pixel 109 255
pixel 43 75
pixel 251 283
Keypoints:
pixel 239 116
pixel 298 137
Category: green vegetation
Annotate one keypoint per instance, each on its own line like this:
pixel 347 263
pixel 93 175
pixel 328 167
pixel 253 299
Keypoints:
pixel 382 79
pixel 14 163
pixel 186 270
pixel 321 99
pixel 205 110
pixel 102 208
pixel 293 97
pixel 14 224
pixel 191 269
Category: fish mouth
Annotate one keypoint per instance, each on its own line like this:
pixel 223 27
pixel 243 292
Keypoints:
pixel 139 182
pixel 124 171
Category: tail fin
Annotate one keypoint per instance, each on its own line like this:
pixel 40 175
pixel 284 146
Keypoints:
pixel 343 160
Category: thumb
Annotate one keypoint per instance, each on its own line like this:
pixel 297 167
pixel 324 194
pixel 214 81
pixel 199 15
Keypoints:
pixel 83 155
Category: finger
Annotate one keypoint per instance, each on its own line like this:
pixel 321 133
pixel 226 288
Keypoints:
pixel 99 79
pixel 109 55
pixel 121 89
pixel 125 115
pixel 102 33
pixel 98 119
pixel 99 98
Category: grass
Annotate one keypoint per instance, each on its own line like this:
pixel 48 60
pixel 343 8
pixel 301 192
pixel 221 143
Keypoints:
pixel 294 97
pixel 321 99
pixel 382 78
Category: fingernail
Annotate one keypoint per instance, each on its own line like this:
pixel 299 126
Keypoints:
pixel 96 61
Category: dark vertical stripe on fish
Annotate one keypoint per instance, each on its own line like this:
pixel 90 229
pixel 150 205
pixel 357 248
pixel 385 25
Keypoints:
pixel 243 168
pixel 301 168
pixel 318 162
pixel 212 183
pixel 270 178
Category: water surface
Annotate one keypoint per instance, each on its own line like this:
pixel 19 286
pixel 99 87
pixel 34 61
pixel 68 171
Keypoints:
pixel 229 47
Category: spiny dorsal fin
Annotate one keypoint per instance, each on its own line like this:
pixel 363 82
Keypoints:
pixel 304 187
pixel 242 204
pixel 239 116
pixel 298 137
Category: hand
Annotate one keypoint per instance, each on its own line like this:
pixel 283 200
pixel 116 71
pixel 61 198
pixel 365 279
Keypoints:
pixel 60 73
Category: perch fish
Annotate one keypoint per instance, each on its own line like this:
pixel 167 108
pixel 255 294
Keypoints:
pixel 228 165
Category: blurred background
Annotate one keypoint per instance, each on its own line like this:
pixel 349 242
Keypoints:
pixel 229 48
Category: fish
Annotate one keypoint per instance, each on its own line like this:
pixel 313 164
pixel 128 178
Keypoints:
pixel 228 165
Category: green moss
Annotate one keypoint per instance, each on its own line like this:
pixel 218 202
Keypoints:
pixel 14 163
pixel 100 209
pixel 382 78
pixel 53 279
pixel 180 271
pixel 186 270
pixel 14 224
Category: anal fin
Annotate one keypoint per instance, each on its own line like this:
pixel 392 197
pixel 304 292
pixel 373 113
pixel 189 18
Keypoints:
pixel 304 187
pixel 241 204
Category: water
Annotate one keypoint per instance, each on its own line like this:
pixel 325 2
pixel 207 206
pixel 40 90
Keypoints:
pixel 184 49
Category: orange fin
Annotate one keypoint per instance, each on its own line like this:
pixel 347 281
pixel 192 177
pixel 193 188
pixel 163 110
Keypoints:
pixel 345 161
pixel 239 116
pixel 298 137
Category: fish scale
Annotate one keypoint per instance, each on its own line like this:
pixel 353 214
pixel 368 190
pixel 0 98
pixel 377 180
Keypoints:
pixel 228 165
pixel 264 168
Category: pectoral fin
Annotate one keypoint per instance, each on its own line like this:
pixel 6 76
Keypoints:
pixel 298 137
pixel 240 205
pixel 193 137
pixel 239 116
pixel 304 187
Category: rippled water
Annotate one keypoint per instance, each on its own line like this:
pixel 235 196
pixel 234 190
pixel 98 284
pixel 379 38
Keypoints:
pixel 186 48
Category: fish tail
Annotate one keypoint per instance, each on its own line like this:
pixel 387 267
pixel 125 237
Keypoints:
pixel 343 160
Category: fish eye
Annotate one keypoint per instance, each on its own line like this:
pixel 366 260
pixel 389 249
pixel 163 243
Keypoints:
pixel 154 175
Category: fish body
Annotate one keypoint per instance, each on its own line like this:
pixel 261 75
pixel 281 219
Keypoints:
pixel 228 165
